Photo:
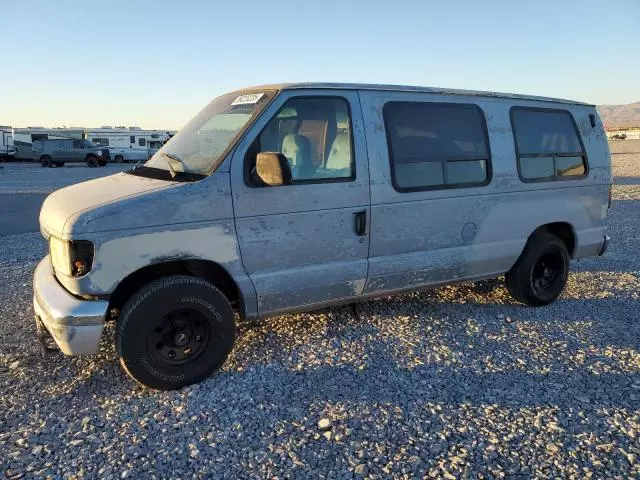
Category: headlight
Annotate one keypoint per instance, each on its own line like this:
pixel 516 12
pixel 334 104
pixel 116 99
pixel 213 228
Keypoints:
pixel 72 258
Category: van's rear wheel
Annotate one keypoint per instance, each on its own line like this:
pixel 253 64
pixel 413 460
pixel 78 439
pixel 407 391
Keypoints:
pixel 541 272
pixel 119 159
pixel 45 161
pixel 175 331
pixel 92 161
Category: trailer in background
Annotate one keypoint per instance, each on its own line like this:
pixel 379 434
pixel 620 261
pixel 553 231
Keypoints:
pixel 125 144
pixel 24 138
pixel 7 145
pixel 623 134
pixel 128 144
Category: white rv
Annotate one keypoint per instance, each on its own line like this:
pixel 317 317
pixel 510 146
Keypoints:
pixel 125 144
pixel 7 147
pixel 128 144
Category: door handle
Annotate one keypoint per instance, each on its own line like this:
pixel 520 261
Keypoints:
pixel 361 223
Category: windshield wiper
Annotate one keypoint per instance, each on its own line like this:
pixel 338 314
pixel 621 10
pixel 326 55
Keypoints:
pixel 160 173
pixel 173 158
pixel 138 163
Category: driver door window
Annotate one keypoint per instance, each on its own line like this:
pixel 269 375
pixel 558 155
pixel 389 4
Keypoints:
pixel 314 135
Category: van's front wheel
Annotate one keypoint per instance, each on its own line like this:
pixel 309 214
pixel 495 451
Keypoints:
pixel 174 332
pixel 541 272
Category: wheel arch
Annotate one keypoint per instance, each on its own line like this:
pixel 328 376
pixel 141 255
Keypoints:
pixel 204 269
pixel 562 230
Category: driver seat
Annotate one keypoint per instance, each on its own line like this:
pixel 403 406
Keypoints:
pixel 297 149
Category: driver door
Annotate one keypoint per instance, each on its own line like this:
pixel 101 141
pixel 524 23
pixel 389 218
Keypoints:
pixel 307 243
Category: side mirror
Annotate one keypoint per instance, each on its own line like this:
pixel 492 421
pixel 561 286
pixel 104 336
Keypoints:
pixel 272 168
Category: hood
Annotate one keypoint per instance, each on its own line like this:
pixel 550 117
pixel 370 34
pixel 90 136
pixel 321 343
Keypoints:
pixel 59 207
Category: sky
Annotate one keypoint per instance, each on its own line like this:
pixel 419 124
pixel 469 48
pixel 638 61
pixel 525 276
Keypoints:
pixel 155 64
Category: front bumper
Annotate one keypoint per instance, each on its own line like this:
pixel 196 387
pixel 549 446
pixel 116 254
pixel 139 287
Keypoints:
pixel 75 325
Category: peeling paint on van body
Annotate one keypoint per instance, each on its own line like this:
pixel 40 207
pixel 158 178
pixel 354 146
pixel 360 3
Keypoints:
pixel 416 237
pixel 294 247
pixel 162 222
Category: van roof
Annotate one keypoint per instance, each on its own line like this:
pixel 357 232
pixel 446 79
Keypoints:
pixel 409 88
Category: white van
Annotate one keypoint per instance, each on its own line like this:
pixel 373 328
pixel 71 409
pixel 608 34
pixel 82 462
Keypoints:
pixel 294 197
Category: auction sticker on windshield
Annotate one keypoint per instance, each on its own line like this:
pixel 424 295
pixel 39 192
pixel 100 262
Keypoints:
pixel 247 99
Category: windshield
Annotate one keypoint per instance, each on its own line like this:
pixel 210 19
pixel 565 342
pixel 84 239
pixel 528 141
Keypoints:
pixel 197 147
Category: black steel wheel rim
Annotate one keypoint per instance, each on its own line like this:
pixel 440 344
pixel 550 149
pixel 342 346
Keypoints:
pixel 179 337
pixel 546 272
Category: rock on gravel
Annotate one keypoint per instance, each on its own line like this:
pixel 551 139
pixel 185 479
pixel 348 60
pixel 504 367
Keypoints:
pixel 324 424
pixel 434 384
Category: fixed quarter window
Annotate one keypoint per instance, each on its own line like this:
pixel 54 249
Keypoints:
pixel 436 145
pixel 314 135
pixel 548 145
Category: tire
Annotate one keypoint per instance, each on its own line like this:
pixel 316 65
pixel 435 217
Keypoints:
pixel 59 164
pixel 102 163
pixel 92 161
pixel 175 331
pixel 45 161
pixel 119 159
pixel 540 274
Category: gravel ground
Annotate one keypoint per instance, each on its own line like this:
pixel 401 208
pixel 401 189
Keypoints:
pixel 455 382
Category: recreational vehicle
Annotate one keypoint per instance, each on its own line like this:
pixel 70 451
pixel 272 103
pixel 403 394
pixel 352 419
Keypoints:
pixel 131 144
pixel 7 146
pixel 128 144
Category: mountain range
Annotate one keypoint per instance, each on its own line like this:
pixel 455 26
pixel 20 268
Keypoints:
pixel 619 116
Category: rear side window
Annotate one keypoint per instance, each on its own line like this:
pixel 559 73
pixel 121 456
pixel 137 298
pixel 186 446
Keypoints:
pixel 78 144
pixel 548 145
pixel 142 142
pixel 436 145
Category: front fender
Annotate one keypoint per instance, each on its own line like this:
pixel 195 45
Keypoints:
pixel 117 256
